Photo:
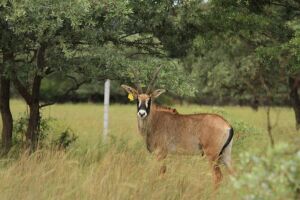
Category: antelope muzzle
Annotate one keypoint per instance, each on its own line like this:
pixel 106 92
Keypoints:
pixel 143 108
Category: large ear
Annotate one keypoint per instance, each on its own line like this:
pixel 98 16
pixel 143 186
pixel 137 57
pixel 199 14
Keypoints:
pixel 130 90
pixel 156 93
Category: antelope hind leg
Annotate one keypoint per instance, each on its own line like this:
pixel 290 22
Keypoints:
pixel 217 175
pixel 214 161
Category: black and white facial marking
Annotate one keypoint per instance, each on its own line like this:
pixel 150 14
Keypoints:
pixel 143 106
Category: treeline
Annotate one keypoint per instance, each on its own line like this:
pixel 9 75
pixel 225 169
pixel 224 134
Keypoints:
pixel 94 92
pixel 214 51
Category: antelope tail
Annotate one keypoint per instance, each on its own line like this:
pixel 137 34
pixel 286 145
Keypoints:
pixel 228 140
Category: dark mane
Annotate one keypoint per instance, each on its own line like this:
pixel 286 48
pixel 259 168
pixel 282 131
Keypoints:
pixel 166 109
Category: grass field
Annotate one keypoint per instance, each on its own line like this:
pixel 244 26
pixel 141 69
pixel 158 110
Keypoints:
pixel 122 168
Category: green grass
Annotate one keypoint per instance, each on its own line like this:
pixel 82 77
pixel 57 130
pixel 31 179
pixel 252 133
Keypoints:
pixel 122 168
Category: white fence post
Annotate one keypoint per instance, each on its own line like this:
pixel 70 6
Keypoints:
pixel 106 108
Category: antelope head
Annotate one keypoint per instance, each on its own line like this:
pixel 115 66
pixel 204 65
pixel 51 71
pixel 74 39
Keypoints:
pixel 144 100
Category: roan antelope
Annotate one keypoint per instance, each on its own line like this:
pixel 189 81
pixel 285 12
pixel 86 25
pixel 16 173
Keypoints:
pixel 166 131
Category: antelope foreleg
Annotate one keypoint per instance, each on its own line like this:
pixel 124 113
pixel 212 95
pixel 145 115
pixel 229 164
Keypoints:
pixel 160 156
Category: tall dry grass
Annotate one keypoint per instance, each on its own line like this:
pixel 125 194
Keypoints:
pixel 122 168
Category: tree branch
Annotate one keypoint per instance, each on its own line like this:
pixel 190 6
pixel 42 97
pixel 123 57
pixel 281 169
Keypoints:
pixel 33 57
pixel 21 89
pixel 75 87
pixel 128 35
pixel 158 54
pixel 286 5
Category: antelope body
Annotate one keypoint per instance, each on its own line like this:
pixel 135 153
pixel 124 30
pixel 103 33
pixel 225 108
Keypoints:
pixel 176 133
pixel 166 131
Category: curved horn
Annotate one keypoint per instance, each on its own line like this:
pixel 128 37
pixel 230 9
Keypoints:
pixel 154 77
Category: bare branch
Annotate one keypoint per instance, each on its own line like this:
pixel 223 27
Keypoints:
pixel 75 87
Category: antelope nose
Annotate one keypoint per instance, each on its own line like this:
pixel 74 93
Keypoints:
pixel 142 113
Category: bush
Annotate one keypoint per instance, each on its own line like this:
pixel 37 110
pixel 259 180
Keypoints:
pixel 20 127
pixel 273 175
pixel 65 139
pixel 244 134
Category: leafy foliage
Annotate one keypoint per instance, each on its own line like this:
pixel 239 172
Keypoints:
pixel 247 51
pixel 82 41
pixel 91 40
pixel 20 126
pixel 272 175
pixel 65 139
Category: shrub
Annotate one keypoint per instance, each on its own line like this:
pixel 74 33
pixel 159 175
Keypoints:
pixel 20 127
pixel 65 139
pixel 273 175
pixel 244 134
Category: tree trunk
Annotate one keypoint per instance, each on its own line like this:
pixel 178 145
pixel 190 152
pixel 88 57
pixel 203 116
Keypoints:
pixel 7 121
pixel 32 133
pixel 33 129
pixel 294 98
pixel 269 127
